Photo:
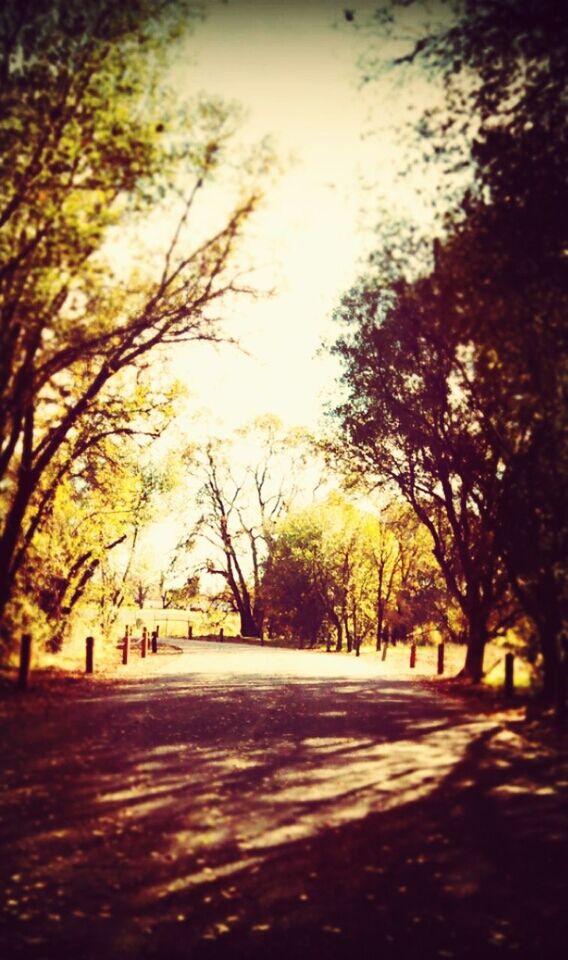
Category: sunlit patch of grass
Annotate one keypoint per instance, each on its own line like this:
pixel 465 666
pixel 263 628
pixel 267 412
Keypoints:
pixel 525 676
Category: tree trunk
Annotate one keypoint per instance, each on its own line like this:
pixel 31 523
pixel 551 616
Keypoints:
pixel 477 638
pixel 380 619
pixel 548 632
pixel 339 641
pixel 249 627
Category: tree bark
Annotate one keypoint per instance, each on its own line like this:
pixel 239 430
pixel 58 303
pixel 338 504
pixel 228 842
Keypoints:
pixel 249 627
pixel 477 638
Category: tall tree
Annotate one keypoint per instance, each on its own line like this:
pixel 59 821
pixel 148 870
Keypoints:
pixel 243 494
pixel 495 301
pixel 89 143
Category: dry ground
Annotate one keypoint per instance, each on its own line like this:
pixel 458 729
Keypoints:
pixel 230 801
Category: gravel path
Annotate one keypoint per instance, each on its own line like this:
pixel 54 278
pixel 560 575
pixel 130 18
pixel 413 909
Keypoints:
pixel 232 801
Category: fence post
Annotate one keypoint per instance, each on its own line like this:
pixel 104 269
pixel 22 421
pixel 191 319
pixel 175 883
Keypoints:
pixel 413 655
pixel 125 646
pixel 143 642
pixel 509 675
pixel 89 655
pixel 440 658
pixel 25 657
pixel 154 641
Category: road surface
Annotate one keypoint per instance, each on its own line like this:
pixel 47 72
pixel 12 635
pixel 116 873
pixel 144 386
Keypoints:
pixel 233 801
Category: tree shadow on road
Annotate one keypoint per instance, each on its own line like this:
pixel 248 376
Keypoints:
pixel 189 818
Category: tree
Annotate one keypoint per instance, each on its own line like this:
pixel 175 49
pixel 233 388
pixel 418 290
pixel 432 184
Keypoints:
pixel 333 566
pixel 403 420
pixel 495 300
pixel 242 496
pixel 87 550
pixel 90 143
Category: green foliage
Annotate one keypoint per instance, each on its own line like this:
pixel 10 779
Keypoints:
pixel 89 142
pixel 334 567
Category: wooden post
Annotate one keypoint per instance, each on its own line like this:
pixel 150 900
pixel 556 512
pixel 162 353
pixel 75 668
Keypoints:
pixel 89 655
pixel 221 635
pixel 143 642
pixel 125 646
pixel 440 658
pixel 509 675
pixel 154 641
pixel 25 657
pixel 189 632
pixel 413 655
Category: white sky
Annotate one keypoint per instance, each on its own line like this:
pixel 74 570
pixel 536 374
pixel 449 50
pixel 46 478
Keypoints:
pixel 293 67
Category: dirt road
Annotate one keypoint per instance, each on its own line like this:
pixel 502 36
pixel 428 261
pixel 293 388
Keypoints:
pixel 233 801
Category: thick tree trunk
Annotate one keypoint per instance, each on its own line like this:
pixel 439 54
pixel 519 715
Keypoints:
pixel 339 641
pixel 548 632
pixel 249 626
pixel 477 638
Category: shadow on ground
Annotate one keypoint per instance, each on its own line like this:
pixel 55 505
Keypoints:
pixel 251 817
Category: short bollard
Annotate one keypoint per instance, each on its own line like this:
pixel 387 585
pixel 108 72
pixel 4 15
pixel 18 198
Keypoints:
pixel 89 655
pixel 125 647
pixel 154 641
pixel 189 632
pixel 440 658
pixel 509 674
pixel 221 634
pixel 144 642
pixel 413 655
pixel 25 657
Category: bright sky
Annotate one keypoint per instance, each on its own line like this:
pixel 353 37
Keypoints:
pixel 293 67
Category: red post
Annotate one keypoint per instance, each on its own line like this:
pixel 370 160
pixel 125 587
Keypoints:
pixel 440 658
pixel 89 655
pixel 413 655
pixel 25 657
pixel 125 646
pixel 143 642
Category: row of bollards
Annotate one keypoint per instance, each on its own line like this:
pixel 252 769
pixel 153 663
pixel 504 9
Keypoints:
pixel 25 656
pixel 143 642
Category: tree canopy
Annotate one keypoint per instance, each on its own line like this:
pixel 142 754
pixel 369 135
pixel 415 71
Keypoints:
pixel 90 142
pixel 456 379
